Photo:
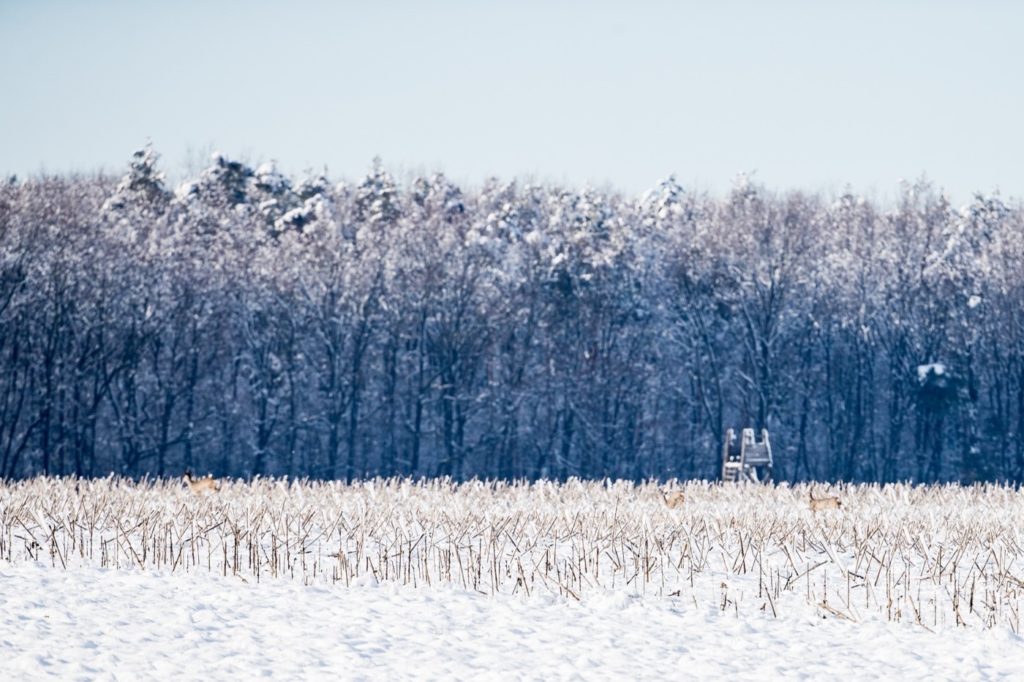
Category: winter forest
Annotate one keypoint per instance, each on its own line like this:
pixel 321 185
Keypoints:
pixel 246 323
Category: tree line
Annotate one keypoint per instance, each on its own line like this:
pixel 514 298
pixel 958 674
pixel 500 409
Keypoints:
pixel 247 323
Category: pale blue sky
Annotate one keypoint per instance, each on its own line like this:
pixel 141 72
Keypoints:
pixel 809 95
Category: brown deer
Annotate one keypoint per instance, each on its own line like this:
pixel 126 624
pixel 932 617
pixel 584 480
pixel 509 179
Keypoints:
pixel 207 484
pixel 822 503
pixel 674 498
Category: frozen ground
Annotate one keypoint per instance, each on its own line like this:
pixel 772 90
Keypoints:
pixel 91 623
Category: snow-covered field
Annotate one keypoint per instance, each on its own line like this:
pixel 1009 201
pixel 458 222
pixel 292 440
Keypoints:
pixel 88 623
pixel 385 579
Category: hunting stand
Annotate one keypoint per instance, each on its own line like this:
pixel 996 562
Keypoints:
pixel 747 460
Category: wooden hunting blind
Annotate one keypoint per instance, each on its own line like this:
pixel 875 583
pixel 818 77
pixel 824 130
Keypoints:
pixel 747 459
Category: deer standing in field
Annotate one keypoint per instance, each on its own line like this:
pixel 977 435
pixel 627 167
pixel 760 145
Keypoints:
pixel 207 484
pixel 822 503
pixel 674 498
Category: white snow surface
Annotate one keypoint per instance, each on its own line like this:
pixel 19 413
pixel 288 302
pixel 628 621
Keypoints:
pixel 936 368
pixel 90 623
